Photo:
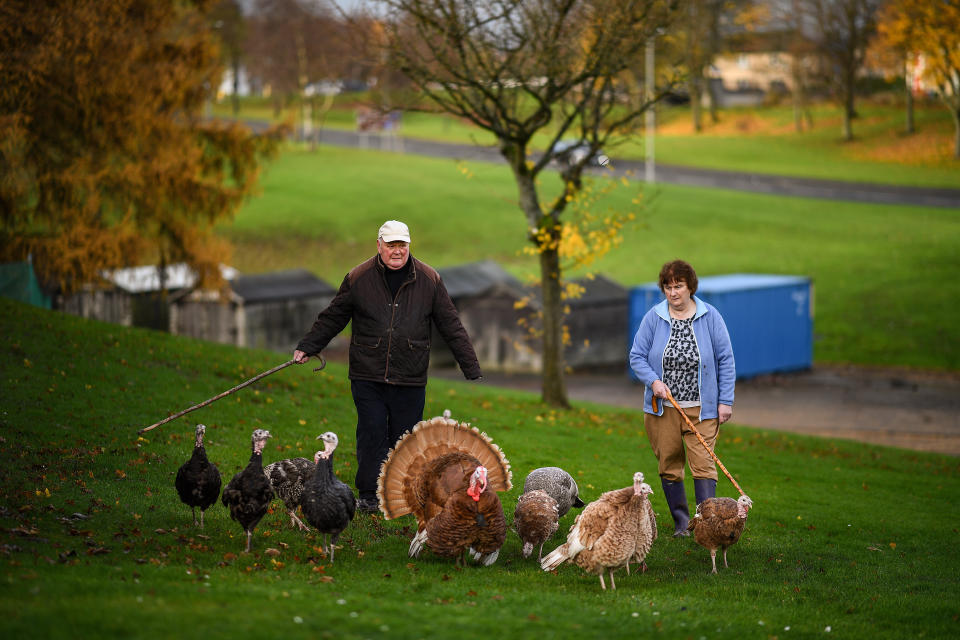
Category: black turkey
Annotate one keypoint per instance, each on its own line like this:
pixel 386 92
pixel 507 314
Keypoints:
pixel 248 494
pixel 328 504
pixel 287 478
pixel 198 479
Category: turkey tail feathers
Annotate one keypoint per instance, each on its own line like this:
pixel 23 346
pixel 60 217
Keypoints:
pixel 555 558
pixel 428 440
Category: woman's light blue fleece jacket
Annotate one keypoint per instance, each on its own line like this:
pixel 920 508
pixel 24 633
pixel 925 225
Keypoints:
pixel 717 370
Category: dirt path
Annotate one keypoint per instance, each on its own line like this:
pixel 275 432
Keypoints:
pixel 901 408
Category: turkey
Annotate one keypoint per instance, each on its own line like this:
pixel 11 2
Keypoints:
pixel 198 479
pixel 718 524
pixel 248 494
pixel 640 555
pixel 287 478
pixel 558 484
pixel 611 530
pixel 327 503
pixel 447 475
pixel 535 520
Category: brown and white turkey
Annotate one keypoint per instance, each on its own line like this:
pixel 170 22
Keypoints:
pixel 535 520
pixel 447 474
pixel 718 524
pixel 328 504
pixel 611 531
pixel 287 478
pixel 248 494
pixel 198 480
pixel 558 484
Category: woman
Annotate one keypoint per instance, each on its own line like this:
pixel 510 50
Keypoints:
pixel 682 349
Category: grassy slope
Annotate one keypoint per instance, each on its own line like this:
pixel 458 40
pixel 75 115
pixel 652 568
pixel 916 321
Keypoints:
pixel 884 276
pixel 843 535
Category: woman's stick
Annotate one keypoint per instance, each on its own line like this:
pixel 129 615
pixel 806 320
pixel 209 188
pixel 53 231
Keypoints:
pixel 700 438
pixel 323 363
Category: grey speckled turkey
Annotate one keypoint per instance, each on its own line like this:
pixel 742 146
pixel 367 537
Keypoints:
pixel 287 478
pixel 328 504
pixel 558 484
pixel 198 479
pixel 248 494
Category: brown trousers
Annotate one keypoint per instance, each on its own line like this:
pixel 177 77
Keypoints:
pixel 674 443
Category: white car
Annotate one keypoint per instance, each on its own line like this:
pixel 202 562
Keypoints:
pixel 571 152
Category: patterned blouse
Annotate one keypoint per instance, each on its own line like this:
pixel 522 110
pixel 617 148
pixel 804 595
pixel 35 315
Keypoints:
pixel 681 363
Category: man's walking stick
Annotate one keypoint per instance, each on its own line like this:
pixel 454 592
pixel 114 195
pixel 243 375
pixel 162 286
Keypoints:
pixel 323 363
pixel 699 437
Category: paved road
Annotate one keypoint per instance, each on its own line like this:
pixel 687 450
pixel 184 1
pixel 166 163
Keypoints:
pixel 753 182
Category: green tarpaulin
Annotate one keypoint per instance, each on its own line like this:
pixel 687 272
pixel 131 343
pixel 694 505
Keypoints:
pixel 18 281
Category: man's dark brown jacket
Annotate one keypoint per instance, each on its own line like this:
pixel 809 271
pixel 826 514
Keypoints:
pixel 391 337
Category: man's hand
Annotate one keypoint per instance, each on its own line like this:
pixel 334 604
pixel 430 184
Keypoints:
pixel 725 412
pixel 300 357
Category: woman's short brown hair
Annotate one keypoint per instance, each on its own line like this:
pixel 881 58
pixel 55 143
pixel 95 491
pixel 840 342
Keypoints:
pixel 678 271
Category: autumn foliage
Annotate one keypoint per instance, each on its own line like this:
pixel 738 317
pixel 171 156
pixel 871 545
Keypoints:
pixel 106 158
pixel 931 32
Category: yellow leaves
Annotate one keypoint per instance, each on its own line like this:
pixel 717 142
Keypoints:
pixel 302 422
pixel 43 494
pixel 27 363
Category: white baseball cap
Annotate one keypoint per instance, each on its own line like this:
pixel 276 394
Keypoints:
pixel 394 231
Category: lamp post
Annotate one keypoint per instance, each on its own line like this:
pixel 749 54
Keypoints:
pixel 650 121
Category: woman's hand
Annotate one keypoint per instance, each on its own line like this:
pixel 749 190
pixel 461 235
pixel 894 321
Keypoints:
pixel 300 357
pixel 659 389
pixel 725 412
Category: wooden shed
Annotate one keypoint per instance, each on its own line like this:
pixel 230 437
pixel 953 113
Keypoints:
pixel 488 300
pixel 599 323
pixel 498 310
pixel 134 296
pixel 264 311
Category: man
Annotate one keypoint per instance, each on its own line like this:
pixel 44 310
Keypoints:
pixel 392 299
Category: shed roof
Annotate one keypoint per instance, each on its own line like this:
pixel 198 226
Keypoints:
pixel 278 285
pixel 147 278
pixel 477 278
pixel 596 290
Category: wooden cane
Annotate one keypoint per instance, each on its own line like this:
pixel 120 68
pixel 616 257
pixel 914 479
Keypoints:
pixel 699 437
pixel 323 363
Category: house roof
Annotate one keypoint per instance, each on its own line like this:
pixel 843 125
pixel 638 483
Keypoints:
pixel 477 278
pixel 276 285
pixel 147 278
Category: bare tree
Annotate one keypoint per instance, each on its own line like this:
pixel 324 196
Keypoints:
pixel 292 44
pixel 844 29
pixel 230 26
pixel 517 68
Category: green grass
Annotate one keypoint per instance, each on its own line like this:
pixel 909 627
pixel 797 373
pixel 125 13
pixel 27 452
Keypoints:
pixel 885 276
pixel 757 140
pixel 843 535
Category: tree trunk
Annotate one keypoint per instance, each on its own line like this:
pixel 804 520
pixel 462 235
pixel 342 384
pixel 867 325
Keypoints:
pixel 554 388
pixel 909 128
pixel 554 385
pixel 956 132
pixel 695 104
pixel 235 63
pixel 848 114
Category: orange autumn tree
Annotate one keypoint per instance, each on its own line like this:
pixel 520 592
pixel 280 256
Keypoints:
pixel 105 158
pixel 930 29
